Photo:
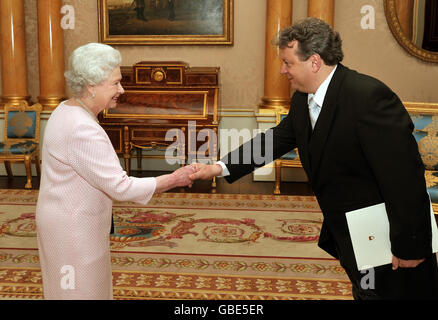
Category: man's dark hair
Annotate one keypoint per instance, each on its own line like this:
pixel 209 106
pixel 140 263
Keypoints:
pixel 314 36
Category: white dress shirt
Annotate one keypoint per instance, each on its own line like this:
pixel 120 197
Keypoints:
pixel 320 93
pixel 318 97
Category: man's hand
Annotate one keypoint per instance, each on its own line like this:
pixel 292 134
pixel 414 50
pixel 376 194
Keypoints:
pixel 205 171
pixel 397 262
pixel 181 176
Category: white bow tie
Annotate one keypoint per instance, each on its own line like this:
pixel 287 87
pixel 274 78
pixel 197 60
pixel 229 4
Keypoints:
pixel 314 110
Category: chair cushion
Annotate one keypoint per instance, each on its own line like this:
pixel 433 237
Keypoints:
pixel 425 122
pixel 428 148
pixel 21 124
pixel 18 148
pixel 426 135
pixel 291 155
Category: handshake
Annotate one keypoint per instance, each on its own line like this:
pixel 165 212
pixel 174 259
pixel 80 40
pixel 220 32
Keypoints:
pixel 185 176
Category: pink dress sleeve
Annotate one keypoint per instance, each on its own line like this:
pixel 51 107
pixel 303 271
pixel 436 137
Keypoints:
pixel 92 156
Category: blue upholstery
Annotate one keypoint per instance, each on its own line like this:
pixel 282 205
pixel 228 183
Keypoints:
pixel 424 122
pixel 21 137
pixel 426 135
pixel 432 184
pixel 428 147
pixel 21 124
pixel 291 155
pixel 26 147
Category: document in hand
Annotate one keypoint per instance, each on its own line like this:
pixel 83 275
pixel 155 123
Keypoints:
pixel 369 233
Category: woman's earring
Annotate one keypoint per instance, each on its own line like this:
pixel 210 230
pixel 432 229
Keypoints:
pixel 93 95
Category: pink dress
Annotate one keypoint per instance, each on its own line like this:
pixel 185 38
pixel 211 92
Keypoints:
pixel 81 175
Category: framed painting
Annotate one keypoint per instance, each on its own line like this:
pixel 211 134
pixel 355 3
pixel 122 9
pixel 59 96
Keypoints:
pixel 166 22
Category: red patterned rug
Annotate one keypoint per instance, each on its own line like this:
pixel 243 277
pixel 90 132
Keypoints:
pixel 191 246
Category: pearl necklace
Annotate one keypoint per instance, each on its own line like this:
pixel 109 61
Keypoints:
pixel 87 109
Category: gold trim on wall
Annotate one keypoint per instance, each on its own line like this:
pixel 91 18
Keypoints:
pixel 237 109
pixel 421 107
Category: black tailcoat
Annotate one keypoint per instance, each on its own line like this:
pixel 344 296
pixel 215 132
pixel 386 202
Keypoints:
pixel 360 153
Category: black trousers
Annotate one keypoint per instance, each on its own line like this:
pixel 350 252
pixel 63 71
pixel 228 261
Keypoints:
pixel 383 283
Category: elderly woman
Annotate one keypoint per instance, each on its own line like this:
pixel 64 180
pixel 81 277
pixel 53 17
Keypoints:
pixel 81 175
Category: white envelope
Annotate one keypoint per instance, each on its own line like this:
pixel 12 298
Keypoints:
pixel 369 233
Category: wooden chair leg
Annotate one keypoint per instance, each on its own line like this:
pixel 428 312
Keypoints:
pixel 139 166
pixel 8 168
pixel 213 185
pixel 37 165
pixel 277 176
pixel 127 164
pixel 27 163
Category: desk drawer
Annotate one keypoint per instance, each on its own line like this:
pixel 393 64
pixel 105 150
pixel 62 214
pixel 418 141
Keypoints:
pixel 155 136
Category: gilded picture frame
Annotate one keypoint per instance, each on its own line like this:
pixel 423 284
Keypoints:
pixel 166 22
pixel 390 7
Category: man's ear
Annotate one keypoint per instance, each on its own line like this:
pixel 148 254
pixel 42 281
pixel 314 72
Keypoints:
pixel 316 62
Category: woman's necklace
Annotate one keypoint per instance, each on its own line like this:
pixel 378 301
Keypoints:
pixel 87 109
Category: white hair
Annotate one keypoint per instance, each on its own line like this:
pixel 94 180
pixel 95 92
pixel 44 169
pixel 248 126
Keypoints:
pixel 91 64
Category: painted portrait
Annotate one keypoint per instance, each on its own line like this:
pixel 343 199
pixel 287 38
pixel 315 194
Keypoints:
pixel 166 22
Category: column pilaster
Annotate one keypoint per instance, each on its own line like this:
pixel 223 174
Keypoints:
pixel 51 53
pixel 322 9
pixel 13 52
pixel 276 87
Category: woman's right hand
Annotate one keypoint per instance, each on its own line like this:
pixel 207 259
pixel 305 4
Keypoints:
pixel 181 176
pixel 178 178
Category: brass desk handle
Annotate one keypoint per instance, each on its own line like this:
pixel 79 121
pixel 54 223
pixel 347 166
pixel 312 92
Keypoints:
pixel 158 74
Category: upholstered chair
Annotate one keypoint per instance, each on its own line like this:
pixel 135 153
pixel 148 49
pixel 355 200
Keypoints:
pixel 21 138
pixel 426 135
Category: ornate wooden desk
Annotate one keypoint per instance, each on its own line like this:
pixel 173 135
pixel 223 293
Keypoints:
pixel 166 98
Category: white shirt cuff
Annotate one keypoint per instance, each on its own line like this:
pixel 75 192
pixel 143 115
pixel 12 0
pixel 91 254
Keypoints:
pixel 225 171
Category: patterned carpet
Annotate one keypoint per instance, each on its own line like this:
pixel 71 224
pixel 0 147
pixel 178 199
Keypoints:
pixel 191 246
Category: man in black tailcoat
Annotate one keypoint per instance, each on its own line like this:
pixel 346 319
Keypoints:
pixel 355 141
